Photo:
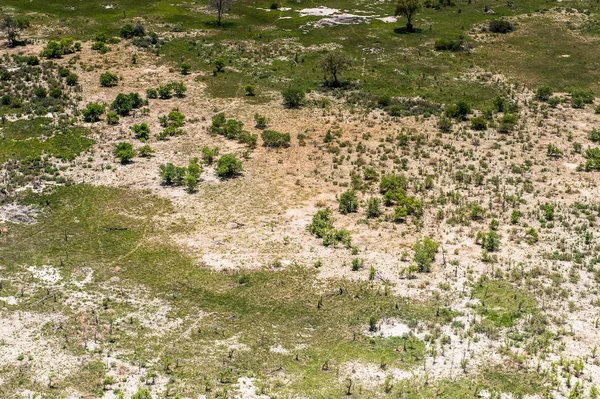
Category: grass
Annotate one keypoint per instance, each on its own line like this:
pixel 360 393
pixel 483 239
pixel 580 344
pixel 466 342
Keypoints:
pixel 29 139
pixel 502 303
pixel 116 236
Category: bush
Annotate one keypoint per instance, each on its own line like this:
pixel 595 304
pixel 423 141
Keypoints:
pixel 407 206
pixel 261 121
pixel 478 123
pixel 172 175
pixel 142 131
pixel 581 97
pixel 594 135
pixel 228 166
pixel 108 79
pixel 219 65
pixel 52 50
pixel 274 139
pixel 322 227
pixel 543 93
pixel 444 124
pixel 425 251
pixel 41 92
pixel 250 91
pixel 373 207
pixel 127 31
pixel 151 93
pixel 164 92
pixel 179 89
pixel 507 123
pixel 501 26
pixel 56 93
pixel 458 111
pixel 392 182
pixel 124 151
pixel 293 97
pixel 92 112
pixel 209 154
pixel 185 69
pixel 592 160
pixel 146 151
pixel 112 118
pixel 124 103
pixel 348 203
pixel 490 241
pixel 101 47
pixel 448 45
pixel 72 79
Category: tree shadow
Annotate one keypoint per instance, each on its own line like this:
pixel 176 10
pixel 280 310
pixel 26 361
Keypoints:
pixel 405 31
pixel 214 25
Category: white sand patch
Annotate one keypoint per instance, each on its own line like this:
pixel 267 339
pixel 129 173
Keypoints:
pixel 46 273
pixel 388 20
pixel 9 300
pixel 279 349
pixel 318 12
pixel 13 213
pixel 247 389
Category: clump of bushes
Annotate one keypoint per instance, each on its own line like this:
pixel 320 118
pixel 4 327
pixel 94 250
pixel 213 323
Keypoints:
pixel 232 129
pixel 125 103
pixel 293 97
pixel 124 151
pixel 501 26
pixel 274 139
pixel 172 124
pixel 165 92
pixel 322 227
pixel 92 112
pixel 108 79
pixel 141 131
pixel 228 166
pixel 424 256
pixel 448 45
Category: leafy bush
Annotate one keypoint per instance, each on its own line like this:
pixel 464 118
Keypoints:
pixel 112 118
pixel 124 151
pixel 100 47
pixel 274 139
pixel 293 97
pixel 185 68
pixel 108 79
pixel 228 166
pixel 581 97
pixel 92 112
pixel 458 111
pixel 448 45
pixel 72 79
pixel 261 121
pixel 250 91
pixel 444 124
pixel 425 251
pixel 348 202
pixel 209 154
pixel 507 123
pixel 127 31
pixel 322 227
pixel 142 131
pixel 172 175
pixel 501 26
pixel 592 160
pixel 392 182
pixel 478 123
pixel 543 93
pixel 490 241
pixel 164 92
pixel 124 103
pixel 373 207
pixel 146 151
pixel 407 206
pixel 151 93
pixel 52 50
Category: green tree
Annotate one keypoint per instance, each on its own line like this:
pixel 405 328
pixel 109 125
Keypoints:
pixel 52 50
pixel 92 112
pixel 229 166
pixel 108 79
pixel 124 151
pixel 13 26
pixel 348 202
pixel 425 251
pixel 142 131
pixel 333 64
pixel 293 97
pixel 409 9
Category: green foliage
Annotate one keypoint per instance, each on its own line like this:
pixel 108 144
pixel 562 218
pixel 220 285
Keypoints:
pixel 501 26
pixel 146 151
pixel 407 206
pixel 261 121
pixel 125 103
pixel 209 154
pixel 548 210
pixel 108 79
pixel 444 124
pixel 478 123
pixel 142 131
pixel 250 90
pixel 425 251
pixel 448 45
pixel 490 241
pixel 581 97
pixel 228 166
pixel 458 111
pixel 502 303
pixel 112 118
pixel 373 207
pixel 409 9
pixel 322 227
pixel 592 160
pixel 553 151
pixel 72 79
pixel 100 47
pixel 141 393
pixel 52 50
pixel 172 175
pixel 219 65
pixel 507 123
pixel 185 68
pixel 124 151
pixel 13 26
pixel 92 112
pixel 594 135
pixel 543 93
pixel 293 97
pixel 333 64
pixel 274 139
pixel 392 182
pixel 348 203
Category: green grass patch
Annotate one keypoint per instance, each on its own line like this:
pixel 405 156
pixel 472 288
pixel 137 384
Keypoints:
pixel 502 303
pixel 33 138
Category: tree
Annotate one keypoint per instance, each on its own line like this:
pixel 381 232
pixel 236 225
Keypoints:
pixel 13 27
pixel 408 8
pixel 92 112
pixel 108 79
pixel 52 50
pixel 293 97
pixel 425 253
pixel 124 151
pixel 333 64
pixel 221 6
pixel 228 166
pixel 348 202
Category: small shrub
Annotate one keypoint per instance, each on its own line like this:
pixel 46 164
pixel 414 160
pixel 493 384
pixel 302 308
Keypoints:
pixel 274 139
pixel 543 93
pixel 92 112
pixel 228 166
pixel 108 79
pixel 425 251
pixel 348 203
pixel 478 123
pixel 112 118
pixel 501 26
pixel 250 91
pixel 185 69
pixel 261 121
pixel 209 154
pixel 124 151
pixel 142 131
pixel 293 97
pixel 146 151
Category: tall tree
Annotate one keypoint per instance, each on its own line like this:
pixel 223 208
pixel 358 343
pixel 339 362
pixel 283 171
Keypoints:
pixel 13 27
pixel 408 8
pixel 221 6
pixel 333 64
